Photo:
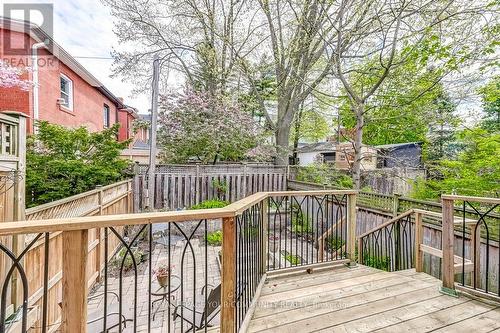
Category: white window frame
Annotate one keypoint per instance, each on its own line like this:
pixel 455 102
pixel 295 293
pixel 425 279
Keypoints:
pixel 70 94
pixel 106 107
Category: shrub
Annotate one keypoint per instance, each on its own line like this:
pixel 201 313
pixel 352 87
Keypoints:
pixel 334 243
pixel 62 162
pixel 293 259
pixel 208 204
pixel 324 174
pixel 300 223
pixel 214 238
pixel 128 263
pixel 382 263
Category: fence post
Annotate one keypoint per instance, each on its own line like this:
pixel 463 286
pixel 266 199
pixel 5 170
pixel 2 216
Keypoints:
pixel 395 205
pixel 448 237
pixel 419 239
pixel 244 180
pixel 228 275
pixel 74 281
pixel 351 229
pixel 136 192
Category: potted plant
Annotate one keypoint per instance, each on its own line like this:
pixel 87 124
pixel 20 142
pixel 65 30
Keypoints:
pixel 162 273
pixel 274 243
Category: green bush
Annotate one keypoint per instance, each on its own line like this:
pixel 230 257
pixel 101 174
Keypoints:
pixel 382 263
pixel 128 263
pixel 208 204
pixel 300 223
pixel 214 238
pixel 324 174
pixel 334 243
pixel 62 162
pixel 293 259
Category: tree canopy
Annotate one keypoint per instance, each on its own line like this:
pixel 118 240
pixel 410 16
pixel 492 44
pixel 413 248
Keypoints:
pixel 476 171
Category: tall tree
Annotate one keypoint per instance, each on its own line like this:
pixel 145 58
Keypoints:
pixel 388 34
pixel 442 125
pixel 297 34
pixel 200 39
pixel 490 94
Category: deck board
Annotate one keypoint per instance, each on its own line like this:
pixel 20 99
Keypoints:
pixel 363 299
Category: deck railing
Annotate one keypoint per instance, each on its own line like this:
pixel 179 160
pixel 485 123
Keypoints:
pixel 469 244
pixel 171 236
pixel 478 257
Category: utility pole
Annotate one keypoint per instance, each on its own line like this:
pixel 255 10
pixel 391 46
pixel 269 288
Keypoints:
pixel 154 125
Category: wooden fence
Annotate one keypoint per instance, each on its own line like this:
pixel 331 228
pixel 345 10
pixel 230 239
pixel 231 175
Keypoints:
pixel 107 200
pixel 375 209
pixel 182 186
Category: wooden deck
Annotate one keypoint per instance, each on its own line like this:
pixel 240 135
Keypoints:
pixel 363 299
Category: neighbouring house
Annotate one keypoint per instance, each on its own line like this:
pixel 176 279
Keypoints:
pixel 344 157
pixel 341 155
pixel 320 151
pixel 64 92
pixel 400 155
pixel 139 150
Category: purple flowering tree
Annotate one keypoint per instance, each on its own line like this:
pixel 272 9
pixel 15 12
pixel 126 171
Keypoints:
pixel 10 77
pixel 197 126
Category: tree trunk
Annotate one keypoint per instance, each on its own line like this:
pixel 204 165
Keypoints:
pixel 358 142
pixel 286 113
pixel 282 143
pixel 297 135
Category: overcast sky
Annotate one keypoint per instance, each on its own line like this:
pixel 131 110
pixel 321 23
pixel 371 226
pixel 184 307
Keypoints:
pixel 84 28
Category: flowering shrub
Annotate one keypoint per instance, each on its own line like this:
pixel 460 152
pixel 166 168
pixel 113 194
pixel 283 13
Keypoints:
pixel 10 77
pixel 197 126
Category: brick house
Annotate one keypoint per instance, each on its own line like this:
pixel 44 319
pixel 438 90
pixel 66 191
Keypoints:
pixel 66 94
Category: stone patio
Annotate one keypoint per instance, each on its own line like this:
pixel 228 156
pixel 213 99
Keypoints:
pixel 163 317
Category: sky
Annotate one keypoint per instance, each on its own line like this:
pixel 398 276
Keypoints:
pixel 84 28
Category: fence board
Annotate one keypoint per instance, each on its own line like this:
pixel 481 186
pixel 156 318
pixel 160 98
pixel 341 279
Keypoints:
pixel 182 186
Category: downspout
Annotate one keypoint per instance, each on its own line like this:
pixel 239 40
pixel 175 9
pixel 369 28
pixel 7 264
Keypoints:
pixel 34 59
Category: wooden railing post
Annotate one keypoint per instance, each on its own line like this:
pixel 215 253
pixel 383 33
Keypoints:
pixel 98 235
pixel 74 281
pixel 419 239
pixel 351 229
pixel 475 245
pixel 448 237
pixel 228 275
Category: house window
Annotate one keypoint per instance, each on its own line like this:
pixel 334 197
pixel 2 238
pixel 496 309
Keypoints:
pixel 106 116
pixel 66 92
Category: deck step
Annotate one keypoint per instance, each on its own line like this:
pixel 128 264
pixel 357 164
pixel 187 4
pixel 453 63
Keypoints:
pixel 459 261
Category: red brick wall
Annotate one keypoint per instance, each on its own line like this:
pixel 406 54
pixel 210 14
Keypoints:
pixel 126 131
pixel 88 102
